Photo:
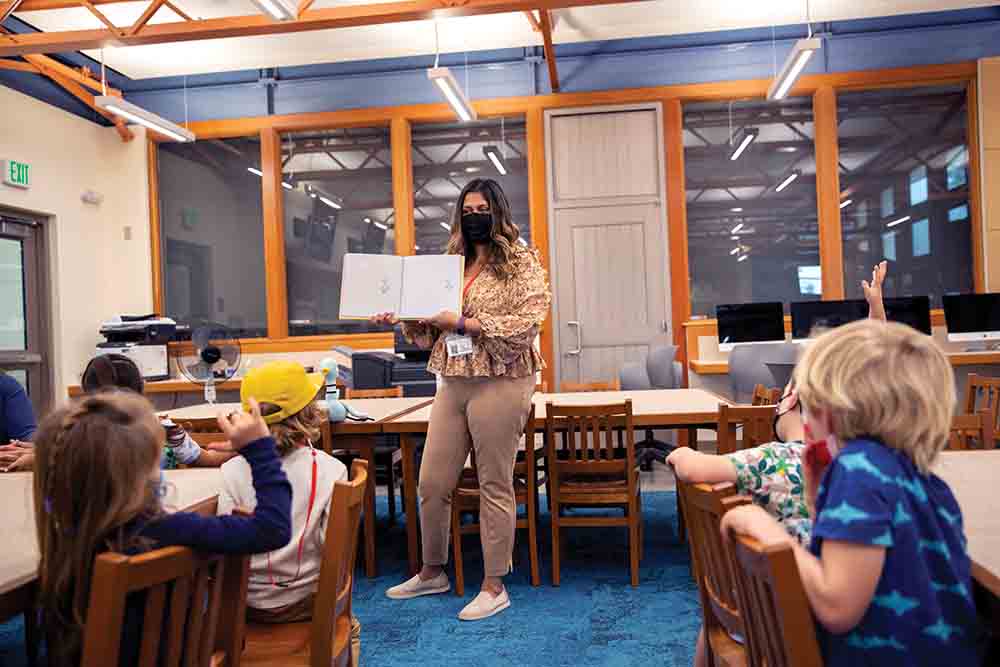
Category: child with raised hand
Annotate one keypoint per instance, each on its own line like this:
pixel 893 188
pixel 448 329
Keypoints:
pixel 97 488
pixel 887 574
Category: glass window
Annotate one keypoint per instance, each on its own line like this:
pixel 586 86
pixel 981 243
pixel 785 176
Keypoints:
pixel 22 377
pixel 446 156
pixel 918 185
pixel 910 140
pixel 338 200
pixel 13 332
pixel 921 233
pixel 888 202
pixel 211 225
pixel 751 221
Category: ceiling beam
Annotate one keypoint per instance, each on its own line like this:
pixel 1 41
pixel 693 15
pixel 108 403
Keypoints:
pixel 77 91
pixel 18 66
pixel 533 20
pixel 143 19
pixel 9 8
pixel 550 52
pixel 44 65
pixel 344 16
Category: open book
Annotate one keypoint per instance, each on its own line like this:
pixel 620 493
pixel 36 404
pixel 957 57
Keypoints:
pixel 414 288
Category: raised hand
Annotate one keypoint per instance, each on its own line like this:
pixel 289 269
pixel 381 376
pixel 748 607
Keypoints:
pixel 242 428
pixel 873 291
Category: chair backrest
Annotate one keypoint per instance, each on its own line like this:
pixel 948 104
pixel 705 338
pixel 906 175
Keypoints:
pixel 744 426
pixel 972 431
pixel 704 506
pixel 583 387
pixel 588 445
pixel 765 395
pixel 195 607
pixel 330 634
pixel 983 393
pixel 780 631
pixel 389 392
pixel 204 431
pixel 660 367
pixel 634 377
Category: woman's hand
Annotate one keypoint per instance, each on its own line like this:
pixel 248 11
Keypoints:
pixel 445 321
pixel 384 320
pixel 17 456
pixel 873 291
pixel 242 428
pixel 753 521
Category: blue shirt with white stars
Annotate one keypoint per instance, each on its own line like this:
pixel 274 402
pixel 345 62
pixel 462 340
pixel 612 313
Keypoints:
pixel 922 613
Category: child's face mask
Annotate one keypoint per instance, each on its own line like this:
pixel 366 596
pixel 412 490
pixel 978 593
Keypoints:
pixel 821 445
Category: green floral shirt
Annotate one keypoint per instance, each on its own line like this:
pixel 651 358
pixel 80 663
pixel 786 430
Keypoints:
pixel 772 475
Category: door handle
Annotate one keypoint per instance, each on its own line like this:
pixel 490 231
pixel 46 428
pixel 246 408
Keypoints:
pixel 579 339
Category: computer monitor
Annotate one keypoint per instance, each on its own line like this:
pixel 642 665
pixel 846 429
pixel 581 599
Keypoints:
pixel 808 316
pixel 749 323
pixel 972 317
pixel 912 310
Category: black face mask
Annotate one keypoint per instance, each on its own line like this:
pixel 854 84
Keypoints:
pixel 778 415
pixel 476 227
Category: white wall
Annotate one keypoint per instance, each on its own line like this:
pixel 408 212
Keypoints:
pixel 94 271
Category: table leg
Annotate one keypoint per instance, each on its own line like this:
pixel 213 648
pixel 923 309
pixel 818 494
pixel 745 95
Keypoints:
pixel 693 438
pixel 366 449
pixel 408 447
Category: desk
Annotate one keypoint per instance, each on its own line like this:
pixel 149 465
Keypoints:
pixel 664 408
pixel 957 359
pixel 349 435
pixel 972 477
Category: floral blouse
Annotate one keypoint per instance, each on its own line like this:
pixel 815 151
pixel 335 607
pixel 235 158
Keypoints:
pixel 772 475
pixel 510 313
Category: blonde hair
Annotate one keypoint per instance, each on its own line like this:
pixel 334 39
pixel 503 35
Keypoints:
pixel 884 380
pixel 93 460
pixel 302 428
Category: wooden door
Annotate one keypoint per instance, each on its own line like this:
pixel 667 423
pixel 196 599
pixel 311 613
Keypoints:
pixel 610 269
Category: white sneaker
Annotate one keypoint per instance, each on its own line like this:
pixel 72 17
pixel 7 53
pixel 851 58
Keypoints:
pixel 485 605
pixel 415 587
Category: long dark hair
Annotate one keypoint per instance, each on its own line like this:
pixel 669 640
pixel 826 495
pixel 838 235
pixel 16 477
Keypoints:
pixel 503 235
pixel 112 371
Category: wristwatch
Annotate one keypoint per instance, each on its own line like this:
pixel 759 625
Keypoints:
pixel 460 329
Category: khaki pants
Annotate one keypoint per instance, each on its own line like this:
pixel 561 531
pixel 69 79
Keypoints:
pixel 302 611
pixel 487 414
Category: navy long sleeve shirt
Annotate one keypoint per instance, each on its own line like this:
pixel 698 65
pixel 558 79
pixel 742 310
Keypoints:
pixel 17 418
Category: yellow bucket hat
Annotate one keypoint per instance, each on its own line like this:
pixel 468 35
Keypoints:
pixel 282 383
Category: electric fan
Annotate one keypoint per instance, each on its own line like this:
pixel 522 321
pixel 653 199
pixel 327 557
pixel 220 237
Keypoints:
pixel 215 357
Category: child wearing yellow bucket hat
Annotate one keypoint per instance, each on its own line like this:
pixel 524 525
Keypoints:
pixel 283 583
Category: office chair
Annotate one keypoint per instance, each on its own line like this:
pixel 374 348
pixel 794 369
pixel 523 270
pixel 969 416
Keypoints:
pixel 658 371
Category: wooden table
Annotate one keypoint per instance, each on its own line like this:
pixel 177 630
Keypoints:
pixel 664 408
pixel 972 477
pixel 349 435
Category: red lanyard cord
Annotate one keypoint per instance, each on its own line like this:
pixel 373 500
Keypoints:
pixel 305 531
pixel 469 282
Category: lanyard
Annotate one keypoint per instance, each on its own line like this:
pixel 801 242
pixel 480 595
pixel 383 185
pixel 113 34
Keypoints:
pixel 471 280
pixel 305 531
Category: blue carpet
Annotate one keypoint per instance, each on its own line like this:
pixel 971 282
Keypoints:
pixel 594 618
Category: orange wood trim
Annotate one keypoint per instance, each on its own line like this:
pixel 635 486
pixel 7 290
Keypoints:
pixel 372 341
pixel 975 186
pixel 937 317
pixel 177 10
pixel 274 235
pixel 550 52
pixel 19 66
pixel 530 15
pixel 538 211
pixel 680 296
pixel 140 23
pixel 155 240
pixel 831 240
pixel 923 75
pixel 401 138
pixel 170 387
pixel 710 367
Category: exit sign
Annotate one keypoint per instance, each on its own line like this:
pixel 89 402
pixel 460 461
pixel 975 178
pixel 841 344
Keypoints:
pixel 16 174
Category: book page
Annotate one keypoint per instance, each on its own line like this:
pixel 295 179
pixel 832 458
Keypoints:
pixel 371 284
pixel 431 283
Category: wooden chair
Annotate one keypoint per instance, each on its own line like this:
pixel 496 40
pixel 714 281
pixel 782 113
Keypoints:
pixel 326 640
pixel 578 387
pixel 713 567
pixel 388 455
pixel 467 496
pixel 195 607
pixel 973 431
pixel 983 393
pixel 742 427
pixel 589 470
pixel 781 631
pixel 204 431
pixel 765 396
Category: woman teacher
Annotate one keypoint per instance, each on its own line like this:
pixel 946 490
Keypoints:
pixel 487 362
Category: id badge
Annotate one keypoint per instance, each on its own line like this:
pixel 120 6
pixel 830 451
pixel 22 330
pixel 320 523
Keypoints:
pixel 458 346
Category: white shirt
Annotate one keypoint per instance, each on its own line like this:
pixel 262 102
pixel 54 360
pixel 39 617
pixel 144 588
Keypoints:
pixel 238 491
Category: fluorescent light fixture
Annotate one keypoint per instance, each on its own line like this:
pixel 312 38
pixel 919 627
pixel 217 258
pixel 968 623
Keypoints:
pixel 329 202
pixel 416 247
pixel 493 153
pixel 742 141
pixel 788 181
pixel 446 226
pixel 137 114
pixel 736 228
pixel 279 10
pixel 734 250
pixel 734 238
pixel 368 220
pixel 381 226
pixel 287 186
pixel 737 209
pixel 255 171
pixel 846 203
pixel 898 221
pixel 794 64
pixel 443 79
pixel 742 258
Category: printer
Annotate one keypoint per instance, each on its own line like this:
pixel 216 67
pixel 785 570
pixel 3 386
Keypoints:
pixel 143 339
